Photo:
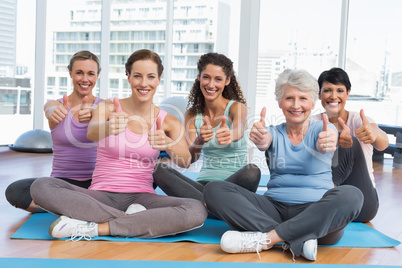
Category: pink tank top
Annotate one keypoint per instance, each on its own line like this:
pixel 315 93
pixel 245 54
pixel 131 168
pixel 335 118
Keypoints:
pixel 125 162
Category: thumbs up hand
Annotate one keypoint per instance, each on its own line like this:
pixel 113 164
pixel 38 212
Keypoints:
pixel 157 137
pixel 366 133
pixel 327 138
pixel 258 133
pixel 117 120
pixel 206 130
pixel 84 114
pixel 223 134
pixel 60 112
pixel 345 139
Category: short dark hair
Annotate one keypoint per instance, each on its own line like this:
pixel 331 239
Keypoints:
pixel 335 76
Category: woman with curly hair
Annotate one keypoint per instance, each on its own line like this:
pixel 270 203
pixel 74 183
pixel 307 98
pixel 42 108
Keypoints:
pixel 214 123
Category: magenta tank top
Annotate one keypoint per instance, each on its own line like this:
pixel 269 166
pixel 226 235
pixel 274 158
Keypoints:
pixel 125 163
pixel 74 156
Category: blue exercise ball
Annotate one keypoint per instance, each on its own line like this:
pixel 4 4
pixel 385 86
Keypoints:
pixel 33 141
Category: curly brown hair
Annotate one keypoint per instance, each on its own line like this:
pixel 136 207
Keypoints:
pixel 196 101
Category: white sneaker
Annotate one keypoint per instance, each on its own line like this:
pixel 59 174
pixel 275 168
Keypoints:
pixel 134 208
pixel 310 250
pixel 68 227
pixel 243 242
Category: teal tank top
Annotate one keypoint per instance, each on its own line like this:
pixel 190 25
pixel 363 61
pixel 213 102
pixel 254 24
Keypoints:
pixel 221 161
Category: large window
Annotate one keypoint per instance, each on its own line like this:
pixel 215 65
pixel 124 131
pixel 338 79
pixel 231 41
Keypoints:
pixel 374 59
pixel 292 34
pixel 17 38
pixel 306 34
pixel 134 25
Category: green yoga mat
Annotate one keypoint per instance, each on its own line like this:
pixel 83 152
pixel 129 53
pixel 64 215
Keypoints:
pixel 356 234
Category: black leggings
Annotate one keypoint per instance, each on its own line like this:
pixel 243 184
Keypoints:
pixel 18 193
pixel 174 183
pixel 349 168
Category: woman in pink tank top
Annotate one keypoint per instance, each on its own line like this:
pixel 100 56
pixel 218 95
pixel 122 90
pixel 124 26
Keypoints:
pixel 74 156
pixel 121 201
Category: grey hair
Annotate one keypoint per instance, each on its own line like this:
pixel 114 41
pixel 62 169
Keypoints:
pixel 300 79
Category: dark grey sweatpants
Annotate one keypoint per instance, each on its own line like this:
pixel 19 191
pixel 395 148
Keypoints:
pixel 174 183
pixel 246 211
pixel 349 168
pixel 164 215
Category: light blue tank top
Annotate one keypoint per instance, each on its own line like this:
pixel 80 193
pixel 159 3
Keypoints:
pixel 221 161
pixel 299 173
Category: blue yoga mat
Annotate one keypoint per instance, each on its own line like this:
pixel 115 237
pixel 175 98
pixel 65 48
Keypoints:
pixel 68 263
pixel 263 181
pixel 356 234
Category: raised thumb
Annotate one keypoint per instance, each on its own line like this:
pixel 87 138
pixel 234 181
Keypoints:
pixel 363 117
pixel 65 101
pixel 223 123
pixel 324 122
pixel 341 123
pixel 158 123
pixel 206 120
pixel 84 101
pixel 116 103
pixel 262 116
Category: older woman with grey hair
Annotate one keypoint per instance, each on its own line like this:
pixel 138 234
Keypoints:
pixel 301 207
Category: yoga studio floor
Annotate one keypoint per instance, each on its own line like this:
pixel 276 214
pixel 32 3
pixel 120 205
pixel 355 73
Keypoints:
pixel 17 165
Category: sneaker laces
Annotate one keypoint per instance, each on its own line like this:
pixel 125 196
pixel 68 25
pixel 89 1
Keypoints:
pixel 286 246
pixel 82 231
pixel 252 243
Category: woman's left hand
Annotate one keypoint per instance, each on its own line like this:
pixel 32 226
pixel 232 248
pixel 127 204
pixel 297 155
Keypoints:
pixel 157 138
pixel 85 112
pixel 327 138
pixel 366 133
pixel 223 134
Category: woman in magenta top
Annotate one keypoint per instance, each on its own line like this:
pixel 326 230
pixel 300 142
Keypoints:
pixel 74 156
pixel 121 200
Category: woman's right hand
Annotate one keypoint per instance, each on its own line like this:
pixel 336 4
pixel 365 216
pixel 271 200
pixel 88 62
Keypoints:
pixel 206 130
pixel 345 139
pixel 56 114
pixel 117 120
pixel 259 134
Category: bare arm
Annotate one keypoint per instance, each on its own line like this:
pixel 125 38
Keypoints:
pixel 170 136
pixel 195 142
pixel 238 114
pixel 178 151
pixel 99 126
pixel 381 142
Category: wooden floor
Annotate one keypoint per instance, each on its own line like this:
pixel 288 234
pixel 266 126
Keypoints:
pixel 16 165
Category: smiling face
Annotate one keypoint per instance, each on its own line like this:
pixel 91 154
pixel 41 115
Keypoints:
pixel 213 81
pixel 333 98
pixel 84 74
pixel 144 79
pixel 296 105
